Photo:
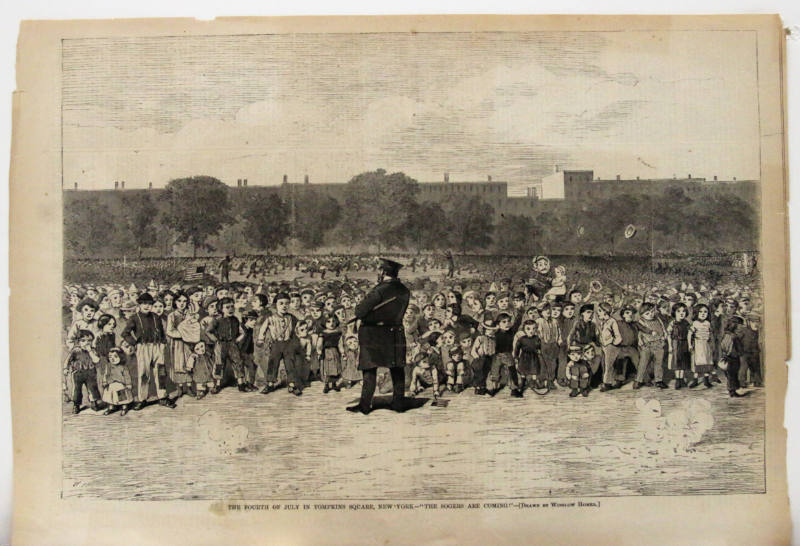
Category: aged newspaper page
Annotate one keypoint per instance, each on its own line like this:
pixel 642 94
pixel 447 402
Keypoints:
pixel 400 280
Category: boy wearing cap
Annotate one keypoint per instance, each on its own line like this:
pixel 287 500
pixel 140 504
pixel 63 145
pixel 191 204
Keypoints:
pixel 144 332
pixel 565 323
pixel 81 367
pixel 504 357
pixel 224 333
pixel 424 374
pixel 751 351
pixel 628 348
pixel 455 370
pixel 550 336
pixel 578 372
pixel 483 350
pixel 610 340
pixel 652 340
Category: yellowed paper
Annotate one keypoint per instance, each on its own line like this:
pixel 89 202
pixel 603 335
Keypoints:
pixel 506 163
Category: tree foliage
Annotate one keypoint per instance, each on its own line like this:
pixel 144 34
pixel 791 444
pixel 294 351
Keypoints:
pixel 470 222
pixel 517 234
pixel 315 214
pixel 139 220
pixel 428 227
pixel 88 228
pixel 378 207
pixel 197 207
pixel 266 220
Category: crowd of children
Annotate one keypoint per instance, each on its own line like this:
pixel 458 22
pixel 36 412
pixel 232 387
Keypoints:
pixel 130 346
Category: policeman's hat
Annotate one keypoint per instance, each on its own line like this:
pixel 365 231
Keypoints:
pixel 390 267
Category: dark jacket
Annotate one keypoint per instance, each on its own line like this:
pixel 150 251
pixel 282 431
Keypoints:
pixel 144 328
pixel 381 336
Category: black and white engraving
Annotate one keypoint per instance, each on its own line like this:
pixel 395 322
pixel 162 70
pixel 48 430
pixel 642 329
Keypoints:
pixel 527 263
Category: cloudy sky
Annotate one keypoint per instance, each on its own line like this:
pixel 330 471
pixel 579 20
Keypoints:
pixel 510 105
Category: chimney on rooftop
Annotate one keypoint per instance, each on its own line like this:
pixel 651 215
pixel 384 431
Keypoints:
pixel 617 177
pixel 489 178
pixel 637 178
pixel 285 178
pixel 116 184
pixel 238 182
pixel 734 179
pixel 76 185
pixel 149 185
pixel 244 182
pixel 715 178
pixel 122 184
pixel 305 179
pixel 690 176
pixel 447 177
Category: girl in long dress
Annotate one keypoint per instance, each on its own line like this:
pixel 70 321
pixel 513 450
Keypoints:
pixel 331 365
pixel 701 344
pixel 528 355
pixel 680 358
pixel 350 372
pixel 179 349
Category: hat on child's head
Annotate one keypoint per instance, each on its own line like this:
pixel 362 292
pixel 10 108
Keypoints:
pixel 422 354
pixel 433 338
pixel 575 349
pixel 501 317
pixel 464 336
pixel 144 298
pixel 753 317
pixel 587 307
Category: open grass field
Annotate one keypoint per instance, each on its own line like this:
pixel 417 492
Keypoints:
pixel 251 446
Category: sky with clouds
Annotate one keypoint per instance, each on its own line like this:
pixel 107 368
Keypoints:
pixel 510 105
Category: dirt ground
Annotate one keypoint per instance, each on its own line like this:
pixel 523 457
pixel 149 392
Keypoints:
pixel 251 446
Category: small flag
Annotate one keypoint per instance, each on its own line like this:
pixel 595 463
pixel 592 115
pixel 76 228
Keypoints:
pixel 195 273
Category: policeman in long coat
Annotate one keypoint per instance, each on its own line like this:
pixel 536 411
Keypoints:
pixel 381 337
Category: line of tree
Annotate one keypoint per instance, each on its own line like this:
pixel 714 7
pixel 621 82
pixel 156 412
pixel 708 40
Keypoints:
pixel 382 210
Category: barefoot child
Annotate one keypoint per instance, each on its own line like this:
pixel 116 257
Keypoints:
pixel 578 371
pixel 702 346
pixel 201 367
pixel 350 372
pixel 528 355
pixel 117 384
pixel 679 355
pixel 424 375
pixel 328 347
pixel 504 345
pixel 81 365
pixel 455 370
